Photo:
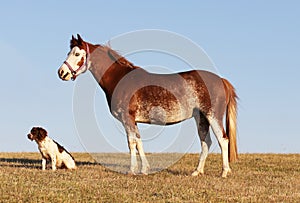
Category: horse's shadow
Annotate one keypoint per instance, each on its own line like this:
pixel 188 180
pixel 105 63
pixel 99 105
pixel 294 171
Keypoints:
pixel 32 163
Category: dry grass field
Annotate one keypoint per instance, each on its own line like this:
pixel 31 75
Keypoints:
pixel 255 178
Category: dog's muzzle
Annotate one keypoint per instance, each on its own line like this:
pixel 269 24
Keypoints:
pixel 30 136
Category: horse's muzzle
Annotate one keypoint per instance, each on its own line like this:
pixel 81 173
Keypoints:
pixel 64 75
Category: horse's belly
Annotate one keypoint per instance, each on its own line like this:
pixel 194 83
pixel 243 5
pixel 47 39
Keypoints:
pixel 162 106
pixel 162 115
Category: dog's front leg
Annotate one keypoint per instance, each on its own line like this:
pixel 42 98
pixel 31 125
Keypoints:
pixel 43 164
pixel 53 159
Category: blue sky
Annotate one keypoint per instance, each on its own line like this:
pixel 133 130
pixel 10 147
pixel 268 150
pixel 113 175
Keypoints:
pixel 254 44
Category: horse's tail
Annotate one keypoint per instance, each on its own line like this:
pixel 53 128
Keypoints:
pixel 231 114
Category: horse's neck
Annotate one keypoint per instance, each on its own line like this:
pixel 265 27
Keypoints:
pixel 112 77
pixel 108 73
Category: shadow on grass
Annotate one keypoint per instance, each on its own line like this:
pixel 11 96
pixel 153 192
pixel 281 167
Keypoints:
pixel 33 163
pixel 19 163
pixel 177 172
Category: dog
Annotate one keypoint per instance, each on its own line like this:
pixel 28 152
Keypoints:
pixel 51 150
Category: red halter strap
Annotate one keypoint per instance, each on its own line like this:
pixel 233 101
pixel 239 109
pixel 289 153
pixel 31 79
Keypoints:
pixel 85 65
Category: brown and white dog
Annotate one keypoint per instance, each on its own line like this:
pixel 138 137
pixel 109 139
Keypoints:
pixel 51 150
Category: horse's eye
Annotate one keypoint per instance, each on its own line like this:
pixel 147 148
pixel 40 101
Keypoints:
pixel 77 54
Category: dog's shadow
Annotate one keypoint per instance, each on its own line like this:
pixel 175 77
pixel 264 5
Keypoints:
pixel 32 163
pixel 20 163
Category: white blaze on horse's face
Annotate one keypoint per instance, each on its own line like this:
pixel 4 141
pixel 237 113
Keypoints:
pixel 75 60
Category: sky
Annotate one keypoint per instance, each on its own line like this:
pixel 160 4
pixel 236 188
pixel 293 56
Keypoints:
pixel 254 44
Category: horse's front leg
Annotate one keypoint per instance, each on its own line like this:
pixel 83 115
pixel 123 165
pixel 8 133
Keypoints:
pixel 145 164
pixel 132 150
pixel 135 143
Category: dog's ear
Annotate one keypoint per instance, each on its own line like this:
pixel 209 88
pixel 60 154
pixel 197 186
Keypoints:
pixel 42 133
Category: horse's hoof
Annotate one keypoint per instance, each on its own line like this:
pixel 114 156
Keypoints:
pixel 224 175
pixel 145 170
pixel 131 173
pixel 225 172
pixel 196 173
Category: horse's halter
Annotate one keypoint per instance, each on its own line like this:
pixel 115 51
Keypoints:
pixel 84 65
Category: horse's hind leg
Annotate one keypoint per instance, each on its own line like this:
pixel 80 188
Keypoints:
pixel 218 129
pixel 204 135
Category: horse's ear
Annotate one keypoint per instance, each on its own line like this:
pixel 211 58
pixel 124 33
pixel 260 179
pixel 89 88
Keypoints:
pixel 79 39
pixel 73 42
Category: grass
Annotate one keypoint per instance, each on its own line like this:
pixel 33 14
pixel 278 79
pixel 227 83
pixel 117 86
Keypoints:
pixel 255 178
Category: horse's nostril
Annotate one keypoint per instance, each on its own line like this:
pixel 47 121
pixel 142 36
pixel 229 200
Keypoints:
pixel 64 77
pixel 60 73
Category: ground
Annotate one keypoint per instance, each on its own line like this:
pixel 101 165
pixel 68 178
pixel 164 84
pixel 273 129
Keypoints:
pixel 254 178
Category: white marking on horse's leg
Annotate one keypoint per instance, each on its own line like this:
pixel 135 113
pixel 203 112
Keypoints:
pixel 132 147
pixel 223 143
pixel 145 164
pixel 205 145
pixel 204 135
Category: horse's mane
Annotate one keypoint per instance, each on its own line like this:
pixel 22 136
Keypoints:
pixel 116 56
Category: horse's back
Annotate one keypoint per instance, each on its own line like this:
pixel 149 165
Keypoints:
pixel 166 98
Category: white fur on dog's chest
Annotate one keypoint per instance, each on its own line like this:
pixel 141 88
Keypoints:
pixel 44 152
pixel 47 147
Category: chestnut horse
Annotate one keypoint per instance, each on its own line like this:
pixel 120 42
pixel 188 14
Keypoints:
pixel 137 96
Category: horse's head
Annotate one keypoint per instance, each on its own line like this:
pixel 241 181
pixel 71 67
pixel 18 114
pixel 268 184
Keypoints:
pixel 77 59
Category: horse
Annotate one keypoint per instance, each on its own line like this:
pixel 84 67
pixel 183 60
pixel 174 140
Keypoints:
pixel 135 95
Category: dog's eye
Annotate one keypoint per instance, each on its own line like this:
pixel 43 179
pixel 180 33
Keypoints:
pixel 77 54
